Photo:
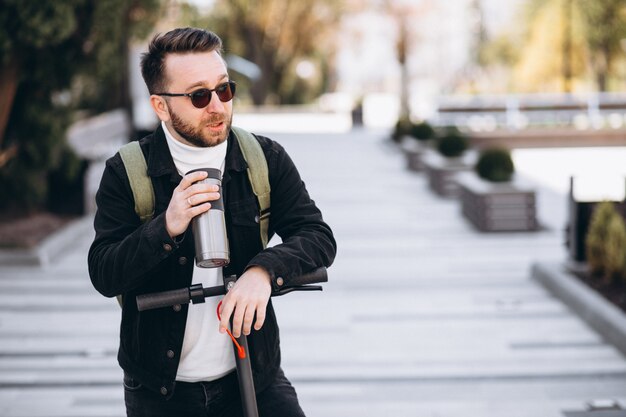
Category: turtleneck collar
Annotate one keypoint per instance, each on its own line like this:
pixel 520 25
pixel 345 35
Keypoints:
pixel 187 158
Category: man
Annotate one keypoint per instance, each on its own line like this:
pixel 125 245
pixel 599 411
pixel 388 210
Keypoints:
pixel 177 361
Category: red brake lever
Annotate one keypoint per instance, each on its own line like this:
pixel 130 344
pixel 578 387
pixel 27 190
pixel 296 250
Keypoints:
pixel 240 351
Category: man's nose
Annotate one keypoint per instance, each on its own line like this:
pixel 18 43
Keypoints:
pixel 215 105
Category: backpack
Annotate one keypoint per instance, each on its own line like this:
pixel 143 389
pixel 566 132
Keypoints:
pixel 258 174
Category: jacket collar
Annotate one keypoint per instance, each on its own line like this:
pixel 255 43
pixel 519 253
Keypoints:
pixel 160 160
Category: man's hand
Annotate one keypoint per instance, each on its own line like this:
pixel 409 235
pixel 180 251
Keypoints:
pixel 249 296
pixel 188 201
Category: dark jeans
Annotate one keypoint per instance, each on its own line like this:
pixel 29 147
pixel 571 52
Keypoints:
pixel 208 399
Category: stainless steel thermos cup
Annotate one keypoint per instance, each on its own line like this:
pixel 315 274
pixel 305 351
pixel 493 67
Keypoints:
pixel 209 228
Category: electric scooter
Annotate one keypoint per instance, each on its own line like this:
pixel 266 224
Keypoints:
pixel 197 293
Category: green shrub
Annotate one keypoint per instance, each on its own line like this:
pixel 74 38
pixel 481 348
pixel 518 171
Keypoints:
pixel 402 128
pixel 615 250
pixel 452 143
pixel 606 243
pixel 422 131
pixel 495 164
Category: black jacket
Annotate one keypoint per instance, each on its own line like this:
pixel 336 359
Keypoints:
pixel 131 258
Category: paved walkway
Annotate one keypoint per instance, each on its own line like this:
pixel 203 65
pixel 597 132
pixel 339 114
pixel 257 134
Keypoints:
pixel 423 316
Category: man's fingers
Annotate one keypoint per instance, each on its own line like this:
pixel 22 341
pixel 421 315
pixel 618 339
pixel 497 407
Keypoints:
pixel 260 317
pixel 189 179
pixel 248 318
pixel 196 210
pixel 227 311
pixel 238 316
pixel 202 198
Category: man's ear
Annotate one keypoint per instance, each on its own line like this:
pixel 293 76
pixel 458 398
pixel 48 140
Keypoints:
pixel 159 105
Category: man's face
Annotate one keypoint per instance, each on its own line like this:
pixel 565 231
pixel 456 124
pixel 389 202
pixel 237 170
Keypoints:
pixel 186 73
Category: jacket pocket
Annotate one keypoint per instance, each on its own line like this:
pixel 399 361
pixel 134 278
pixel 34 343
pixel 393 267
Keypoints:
pixel 244 234
pixel 244 212
pixel 131 384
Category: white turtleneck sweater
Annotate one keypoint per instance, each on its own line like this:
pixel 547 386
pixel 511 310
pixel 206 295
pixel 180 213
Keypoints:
pixel 207 354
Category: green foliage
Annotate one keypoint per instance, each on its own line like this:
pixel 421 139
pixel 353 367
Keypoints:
pixel 552 56
pixel 37 37
pixel 103 80
pixel 605 243
pixel 452 143
pixel 422 131
pixel 495 164
pixel 38 128
pixel 402 128
pixel 615 250
pixel 605 27
pixel 277 35
pixel 60 49
pixel 35 24
pixel 566 44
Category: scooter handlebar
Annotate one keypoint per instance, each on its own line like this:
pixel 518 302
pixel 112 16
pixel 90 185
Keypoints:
pixel 162 299
pixel 316 276
pixel 184 295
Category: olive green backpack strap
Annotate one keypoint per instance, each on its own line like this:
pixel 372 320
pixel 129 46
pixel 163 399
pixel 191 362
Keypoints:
pixel 140 183
pixel 258 175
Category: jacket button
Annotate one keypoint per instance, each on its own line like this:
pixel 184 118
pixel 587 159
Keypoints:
pixel 176 307
pixel 163 391
pixel 170 354
pixel 182 260
pixel 167 247
pixel 257 219
pixel 280 281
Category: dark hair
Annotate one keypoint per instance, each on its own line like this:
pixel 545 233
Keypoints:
pixel 179 40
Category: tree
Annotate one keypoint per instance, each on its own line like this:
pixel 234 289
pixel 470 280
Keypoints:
pixel 104 78
pixel 567 44
pixel 50 53
pixel 277 35
pixel 552 57
pixel 605 27
pixel 403 15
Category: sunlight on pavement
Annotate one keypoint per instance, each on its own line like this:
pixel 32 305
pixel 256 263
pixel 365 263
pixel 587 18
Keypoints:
pixel 295 122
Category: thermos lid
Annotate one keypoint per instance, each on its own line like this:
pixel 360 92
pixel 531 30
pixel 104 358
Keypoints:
pixel 213 172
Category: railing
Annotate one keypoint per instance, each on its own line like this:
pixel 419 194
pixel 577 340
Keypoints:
pixel 516 112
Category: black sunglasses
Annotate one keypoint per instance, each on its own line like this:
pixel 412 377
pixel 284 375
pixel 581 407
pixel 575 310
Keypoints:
pixel 202 97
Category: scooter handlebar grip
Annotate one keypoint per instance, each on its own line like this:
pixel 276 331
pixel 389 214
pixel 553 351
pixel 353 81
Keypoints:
pixel 163 299
pixel 314 277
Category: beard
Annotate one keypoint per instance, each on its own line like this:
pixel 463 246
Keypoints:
pixel 197 136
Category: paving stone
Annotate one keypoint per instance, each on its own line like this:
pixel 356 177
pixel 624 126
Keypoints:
pixel 422 316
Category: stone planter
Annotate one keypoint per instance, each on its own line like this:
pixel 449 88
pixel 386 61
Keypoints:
pixel 442 172
pixel 414 151
pixel 491 207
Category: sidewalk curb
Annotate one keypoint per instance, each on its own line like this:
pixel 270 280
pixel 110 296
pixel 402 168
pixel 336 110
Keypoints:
pixel 50 248
pixel 601 315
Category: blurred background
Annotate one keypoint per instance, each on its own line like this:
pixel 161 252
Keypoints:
pixel 412 95
pixel 482 65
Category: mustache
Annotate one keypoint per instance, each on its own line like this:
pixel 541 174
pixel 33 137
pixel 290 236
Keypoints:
pixel 215 118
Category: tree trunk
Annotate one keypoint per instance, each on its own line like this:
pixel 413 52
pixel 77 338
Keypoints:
pixel 125 96
pixel 567 47
pixel 9 80
pixel 402 47
pixel 603 68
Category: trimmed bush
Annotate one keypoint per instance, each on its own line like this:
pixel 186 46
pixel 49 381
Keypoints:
pixel 452 143
pixel 495 165
pixel 422 131
pixel 402 128
pixel 606 243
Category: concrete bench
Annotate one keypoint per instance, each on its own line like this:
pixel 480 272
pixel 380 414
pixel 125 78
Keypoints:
pixel 96 139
